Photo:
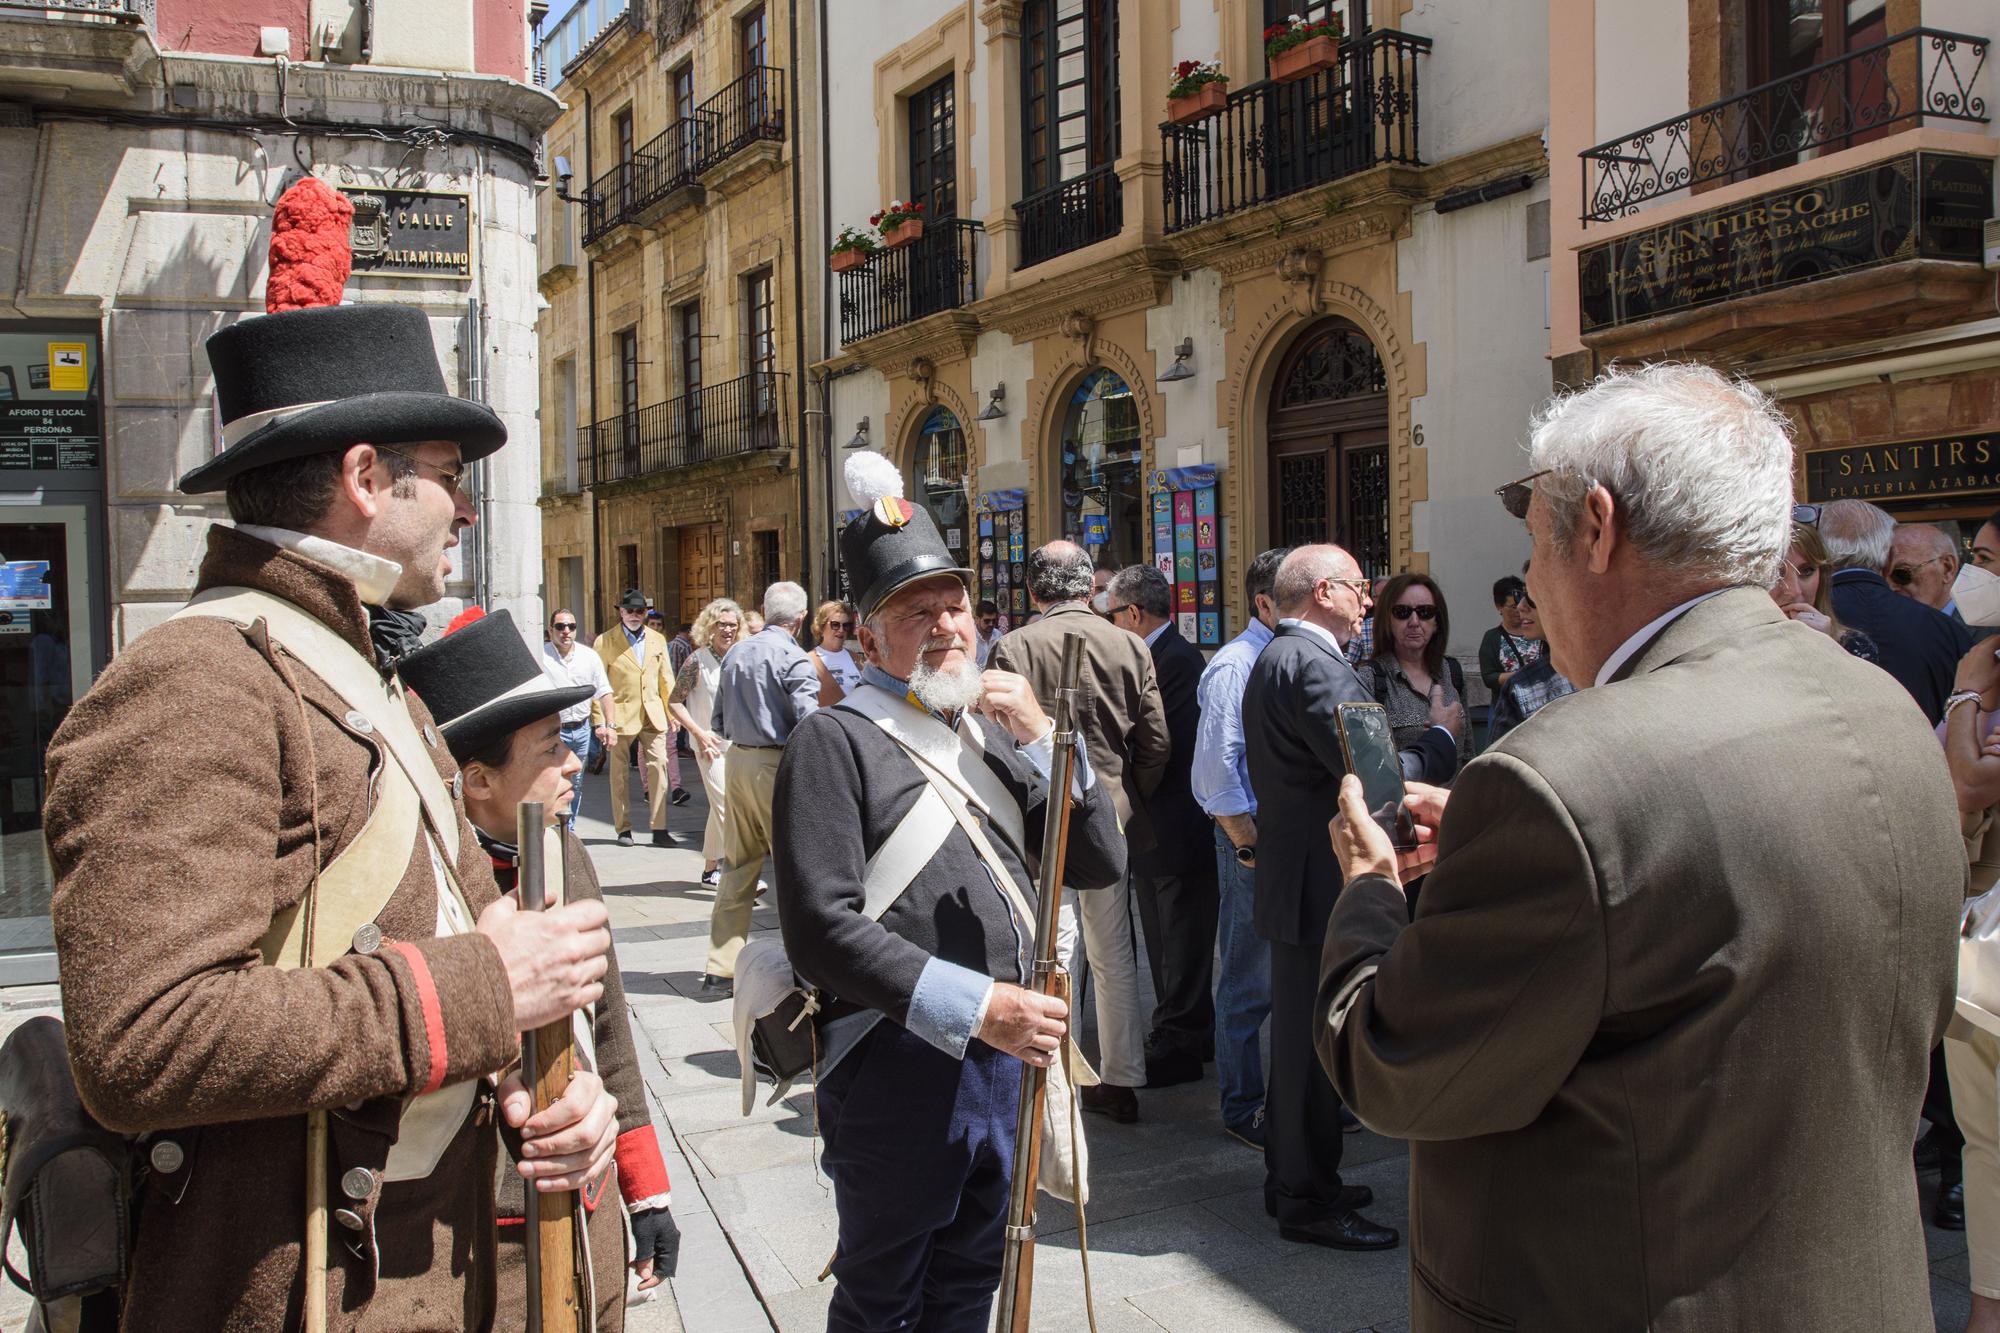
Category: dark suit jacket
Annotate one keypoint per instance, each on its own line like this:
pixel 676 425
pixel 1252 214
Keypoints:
pixel 1920 645
pixel 1292 739
pixel 1119 712
pixel 1661 1028
pixel 1180 827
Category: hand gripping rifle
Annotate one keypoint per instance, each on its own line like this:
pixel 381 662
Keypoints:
pixel 1017 1266
pixel 555 1272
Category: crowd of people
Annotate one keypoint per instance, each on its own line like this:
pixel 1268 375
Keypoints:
pixel 1660 986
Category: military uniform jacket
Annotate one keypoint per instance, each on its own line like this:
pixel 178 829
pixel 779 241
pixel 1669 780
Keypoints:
pixel 842 789
pixel 191 793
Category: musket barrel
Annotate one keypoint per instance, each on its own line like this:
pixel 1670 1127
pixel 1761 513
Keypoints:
pixel 533 881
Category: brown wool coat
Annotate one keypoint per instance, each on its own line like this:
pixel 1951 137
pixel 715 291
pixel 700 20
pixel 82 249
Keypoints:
pixel 171 860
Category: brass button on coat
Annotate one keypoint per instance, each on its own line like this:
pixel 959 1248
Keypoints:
pixel 167 1156
pixel 358 1183
pixel 348 1218
pixel 367 938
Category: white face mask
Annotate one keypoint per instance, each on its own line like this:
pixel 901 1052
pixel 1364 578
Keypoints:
pixel 1977 594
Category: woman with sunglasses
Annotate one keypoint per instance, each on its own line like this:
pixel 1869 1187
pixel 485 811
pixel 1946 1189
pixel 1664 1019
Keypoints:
pixel 835 663
pixel 1509 645
pixel 1409 674
pixel 692 703
pixel 1804 591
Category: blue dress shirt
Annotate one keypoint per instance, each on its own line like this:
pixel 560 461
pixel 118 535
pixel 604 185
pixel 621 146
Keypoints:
pixel 1220 773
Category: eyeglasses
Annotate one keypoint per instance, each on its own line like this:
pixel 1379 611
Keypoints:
pixel 1904 575
pixel 449 477
pixel 1807 514
pixel 1360 587
pixel 1119 610
pixel 1514 496
pixel 1426 613
pixel 564 627
pixel 730 625
pixel 842 625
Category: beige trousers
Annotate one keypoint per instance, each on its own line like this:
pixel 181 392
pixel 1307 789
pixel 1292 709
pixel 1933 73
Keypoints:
pixel 713 845
pixel 1972 1056
pixel 751 782
pixel 653 753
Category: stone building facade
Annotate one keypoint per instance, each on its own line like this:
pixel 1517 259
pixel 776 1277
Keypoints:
pixel 1316 314
pixel 142 146
pixel 677 319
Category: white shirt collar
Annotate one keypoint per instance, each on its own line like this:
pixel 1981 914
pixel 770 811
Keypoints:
pixel 1321 630
pixel 1646 634
pixel 1158 630
pixel 373 577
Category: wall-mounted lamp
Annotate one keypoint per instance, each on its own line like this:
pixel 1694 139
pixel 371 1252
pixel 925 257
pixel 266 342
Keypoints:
pixel 860 440
pixel 563 177
pixel 1180 370
pixel 994 408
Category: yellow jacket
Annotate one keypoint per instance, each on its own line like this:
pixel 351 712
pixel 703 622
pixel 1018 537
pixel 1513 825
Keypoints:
pixel 638 691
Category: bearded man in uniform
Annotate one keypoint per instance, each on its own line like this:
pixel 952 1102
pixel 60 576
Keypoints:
pixel 285 963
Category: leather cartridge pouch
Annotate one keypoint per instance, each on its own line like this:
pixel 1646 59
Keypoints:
pixel 65 1182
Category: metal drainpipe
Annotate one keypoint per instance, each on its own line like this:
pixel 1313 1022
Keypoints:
pixel 804 453
pixel 826 297
pixel 473 362
pixel 590 314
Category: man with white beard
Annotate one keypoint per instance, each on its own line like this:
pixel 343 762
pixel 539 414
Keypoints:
pixel 894 908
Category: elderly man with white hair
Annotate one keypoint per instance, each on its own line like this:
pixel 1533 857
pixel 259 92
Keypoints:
pixel 1659 1029
pixel 1920 645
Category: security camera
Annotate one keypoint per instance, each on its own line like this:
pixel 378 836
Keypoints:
pixel 563 174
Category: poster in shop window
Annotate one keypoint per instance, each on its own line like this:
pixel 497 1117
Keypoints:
pixel 1187 548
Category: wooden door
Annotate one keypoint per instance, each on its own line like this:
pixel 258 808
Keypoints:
pixel 1328 433
pixel 704 567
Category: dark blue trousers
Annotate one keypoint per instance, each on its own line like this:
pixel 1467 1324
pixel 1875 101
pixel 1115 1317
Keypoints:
pixel 920 1148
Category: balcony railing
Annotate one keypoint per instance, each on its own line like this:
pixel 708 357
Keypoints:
pixel 748 110
pixel 1076 213
pixel 743 416
pixel 1922 76
pixel 939 271
pixel 1275 139
pixel 115 11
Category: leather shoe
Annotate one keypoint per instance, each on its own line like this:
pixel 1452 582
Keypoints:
pixel 1948 1212
pixel 662 838
pixel 717 988
pixel 1351 1196
pixel 1166 1069
pixel 1343 1229
pixel 679 796
pixel 1120 1104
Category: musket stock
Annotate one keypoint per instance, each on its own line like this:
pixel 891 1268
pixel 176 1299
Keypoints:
pixel 1017 1267
pixel 555 1296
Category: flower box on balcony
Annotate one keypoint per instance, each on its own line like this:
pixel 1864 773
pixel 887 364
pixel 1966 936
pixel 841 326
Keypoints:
pixel 1304 60
pixel 903 233
pixel 1203 102
pixel 846 261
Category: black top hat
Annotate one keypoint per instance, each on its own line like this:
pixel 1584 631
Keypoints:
pixel 482 682
pixel 633 600
pixel 304 382
pixel 894 543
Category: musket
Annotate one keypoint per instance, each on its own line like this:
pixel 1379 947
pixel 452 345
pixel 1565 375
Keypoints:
pixel 1017 1265
pixel 555 1276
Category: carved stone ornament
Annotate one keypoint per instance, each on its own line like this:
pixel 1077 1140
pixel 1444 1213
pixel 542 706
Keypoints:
pixel 1299 271
pixel 1081 329
pixel 924 371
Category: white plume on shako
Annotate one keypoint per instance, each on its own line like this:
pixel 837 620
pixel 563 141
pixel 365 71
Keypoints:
pixel 871 477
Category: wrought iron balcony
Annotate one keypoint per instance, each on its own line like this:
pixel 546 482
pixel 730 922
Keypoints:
pixel 1918 77
pixel 1275 139
pixel 1076 213
pixel 747 111
pixel 743 416
pixel 939 271
pixel 115 11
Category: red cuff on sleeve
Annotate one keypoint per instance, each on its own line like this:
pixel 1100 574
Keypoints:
pixel 427 997
pixel 642 1172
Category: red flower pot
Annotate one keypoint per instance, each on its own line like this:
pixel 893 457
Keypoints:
pixel 1200 104
pixel 1307 58
pixel 900 235
pixel 846 261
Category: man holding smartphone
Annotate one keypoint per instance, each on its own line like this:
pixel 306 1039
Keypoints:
pixel 1291 734
pixel 1664 1016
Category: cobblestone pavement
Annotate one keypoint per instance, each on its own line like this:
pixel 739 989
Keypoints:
pixel 1178 1237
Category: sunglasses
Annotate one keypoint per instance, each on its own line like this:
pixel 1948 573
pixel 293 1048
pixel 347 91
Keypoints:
pixel 1904 575
pixel 1807 514
pixel 1520 599
pixel 1515 495
pixel 842 625
pixel 1402 611
pixel 564 627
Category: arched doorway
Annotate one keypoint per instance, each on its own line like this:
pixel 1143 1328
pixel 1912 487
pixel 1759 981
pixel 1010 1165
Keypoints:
pixel 938 480
pixel 1328 434
pixel 1101 469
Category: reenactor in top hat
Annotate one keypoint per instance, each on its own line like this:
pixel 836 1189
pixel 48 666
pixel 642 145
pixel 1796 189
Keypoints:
pixel 285 961
pixel 501 719
pixel 918 1113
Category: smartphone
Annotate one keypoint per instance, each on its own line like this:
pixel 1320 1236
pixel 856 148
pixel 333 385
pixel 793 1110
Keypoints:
pixel 1370 748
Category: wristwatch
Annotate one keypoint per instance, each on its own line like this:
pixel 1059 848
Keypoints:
pixel 1246 854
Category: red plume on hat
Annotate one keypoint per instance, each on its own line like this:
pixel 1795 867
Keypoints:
pixel 310 250
pixel 464 618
